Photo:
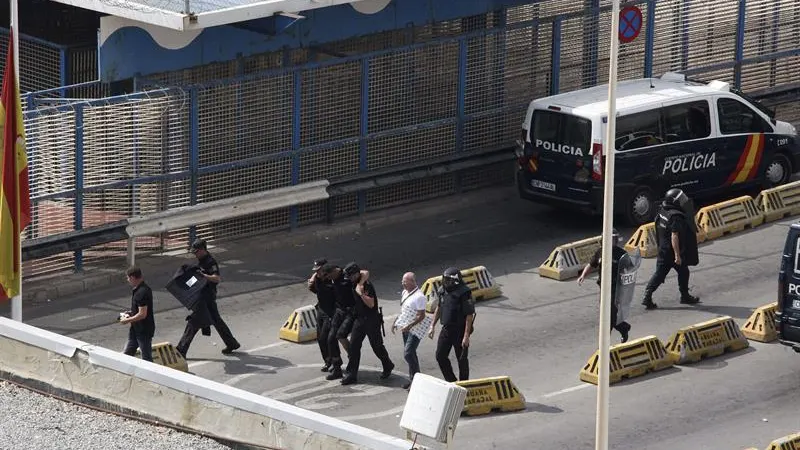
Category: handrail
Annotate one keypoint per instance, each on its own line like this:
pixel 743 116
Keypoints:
pixel 322 190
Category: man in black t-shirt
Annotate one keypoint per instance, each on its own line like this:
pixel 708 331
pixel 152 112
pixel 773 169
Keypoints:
pixel 325 307
pixel 367 324
pixel 140 316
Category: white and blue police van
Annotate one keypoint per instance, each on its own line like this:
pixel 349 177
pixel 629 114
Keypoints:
pixel 787 313
pixel 707 139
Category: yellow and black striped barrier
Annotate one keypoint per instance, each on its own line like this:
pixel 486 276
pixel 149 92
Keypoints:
pixel 485 395
pixel 631 359
pixel 706 340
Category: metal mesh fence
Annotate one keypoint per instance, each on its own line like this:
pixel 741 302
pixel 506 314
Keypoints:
pixel 39 63
pixel 277 119
pixel 123 142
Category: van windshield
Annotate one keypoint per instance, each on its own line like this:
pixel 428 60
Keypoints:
pixel 562 133
pixel 757 104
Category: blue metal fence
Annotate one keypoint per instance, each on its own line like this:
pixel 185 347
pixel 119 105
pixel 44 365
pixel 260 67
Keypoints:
pixel 169 147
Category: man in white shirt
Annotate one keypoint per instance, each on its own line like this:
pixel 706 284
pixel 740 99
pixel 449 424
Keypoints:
pixel 410 322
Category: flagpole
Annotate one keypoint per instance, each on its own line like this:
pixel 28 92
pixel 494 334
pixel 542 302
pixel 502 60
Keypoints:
pixel 603 384
pixel 16 302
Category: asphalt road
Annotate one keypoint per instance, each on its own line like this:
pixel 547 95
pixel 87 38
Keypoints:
pixel 540 333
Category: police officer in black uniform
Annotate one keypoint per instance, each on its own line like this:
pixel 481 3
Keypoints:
pixel 210 270
pixel 457 311
pixel 326 308
pixel 676 234
pixel 368 321
pixel 617 253
pixel 343 317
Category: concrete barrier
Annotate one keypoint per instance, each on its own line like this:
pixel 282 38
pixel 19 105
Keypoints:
pixel 105 377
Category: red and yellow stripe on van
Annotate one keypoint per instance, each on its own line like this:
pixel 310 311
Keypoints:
pixel 747 167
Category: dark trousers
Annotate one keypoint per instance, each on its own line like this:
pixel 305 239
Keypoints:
pixel 662 269
pixel 139 342
pixel 341 325
pixel 323 330
pixel 222 329
pixel 451 337
pixel 369 327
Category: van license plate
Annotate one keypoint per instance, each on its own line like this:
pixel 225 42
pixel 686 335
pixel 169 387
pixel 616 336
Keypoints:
pixel 543 185
pixel 796 304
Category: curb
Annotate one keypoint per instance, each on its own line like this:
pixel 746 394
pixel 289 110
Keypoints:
pixel 42 290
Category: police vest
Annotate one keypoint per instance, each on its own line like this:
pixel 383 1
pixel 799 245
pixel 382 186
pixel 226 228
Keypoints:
pixel 687 238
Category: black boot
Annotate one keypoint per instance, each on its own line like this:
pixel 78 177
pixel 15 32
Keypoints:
pixel 647 301
pixel 624 329
pixel 688 299
pixel 335 374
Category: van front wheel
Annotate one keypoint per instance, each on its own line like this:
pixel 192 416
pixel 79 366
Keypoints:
pixel 641 206
pixel 778 171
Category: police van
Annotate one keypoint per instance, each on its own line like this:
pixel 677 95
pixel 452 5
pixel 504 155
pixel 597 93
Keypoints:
pixel 705 138
pixel 787 314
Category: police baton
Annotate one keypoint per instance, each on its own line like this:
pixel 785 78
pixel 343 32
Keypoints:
pixel 380 314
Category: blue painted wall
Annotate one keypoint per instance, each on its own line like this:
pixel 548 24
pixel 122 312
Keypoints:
pixel 321 26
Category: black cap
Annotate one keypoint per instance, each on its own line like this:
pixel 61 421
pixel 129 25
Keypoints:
pixel 351 269
pixel 198 244
pixel 318 264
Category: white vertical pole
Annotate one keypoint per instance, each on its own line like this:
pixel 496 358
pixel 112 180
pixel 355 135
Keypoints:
pixel 16 302
pixel 601 432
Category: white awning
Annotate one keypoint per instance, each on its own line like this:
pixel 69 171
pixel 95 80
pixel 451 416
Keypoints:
pixel 202 13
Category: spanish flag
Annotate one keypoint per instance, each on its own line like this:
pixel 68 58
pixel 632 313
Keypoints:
pixel 15 199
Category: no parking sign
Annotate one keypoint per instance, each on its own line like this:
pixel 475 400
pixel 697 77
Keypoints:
pixel 630 23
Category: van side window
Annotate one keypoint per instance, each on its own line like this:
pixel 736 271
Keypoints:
pixel 638 130
pixel 797 256
pixel 736 118
pixel 687 121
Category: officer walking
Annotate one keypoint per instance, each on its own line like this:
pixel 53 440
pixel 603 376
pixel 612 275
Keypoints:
pixel 210 270
pixel 617 255
pixel 326 308
pixel 677 246
pixel 457 312
pixel 343 317
pixel 368 322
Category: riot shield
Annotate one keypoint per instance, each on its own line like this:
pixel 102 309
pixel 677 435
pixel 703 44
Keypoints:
pixel 689 209
pixel 626 284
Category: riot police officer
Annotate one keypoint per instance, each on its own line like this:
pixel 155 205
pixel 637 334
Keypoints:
pixel 210 270
pixel 676 234
pixel 368 323
pixel 456 310
pixel 618 257
pixel 325 307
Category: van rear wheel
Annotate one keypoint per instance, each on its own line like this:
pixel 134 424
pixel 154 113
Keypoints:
pixel 641 206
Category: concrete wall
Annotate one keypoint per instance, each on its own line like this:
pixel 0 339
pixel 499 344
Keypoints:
pixel 118 382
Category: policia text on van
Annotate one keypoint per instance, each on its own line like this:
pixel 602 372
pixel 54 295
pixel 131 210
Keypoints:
pixel 787 313
pixel 705 139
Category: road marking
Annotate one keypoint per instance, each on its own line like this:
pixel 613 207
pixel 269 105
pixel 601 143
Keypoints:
pixel 471 230
pixel 388 412
pixel 75 319
pixel 194 364
pixel 567 390
pixel 316 402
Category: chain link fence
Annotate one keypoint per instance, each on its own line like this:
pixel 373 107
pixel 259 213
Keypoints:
pixel 365 104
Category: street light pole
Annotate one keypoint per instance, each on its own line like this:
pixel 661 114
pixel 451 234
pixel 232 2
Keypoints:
pixel 603 388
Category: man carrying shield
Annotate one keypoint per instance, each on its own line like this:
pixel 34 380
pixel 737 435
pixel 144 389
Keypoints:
pixel 623 272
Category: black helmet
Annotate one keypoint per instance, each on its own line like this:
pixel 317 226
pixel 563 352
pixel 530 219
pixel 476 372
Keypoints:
pixel 675 197
pixel 198 244
pixel 451 278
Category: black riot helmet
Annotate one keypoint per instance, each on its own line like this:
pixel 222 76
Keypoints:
pixel 675 197
pixel 451 278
